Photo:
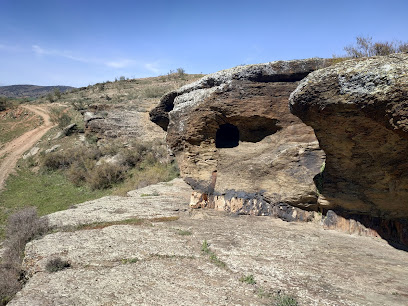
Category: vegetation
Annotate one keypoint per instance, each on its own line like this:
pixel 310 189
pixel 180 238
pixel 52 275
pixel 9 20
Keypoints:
pixel 249 279
pixel 141 164
pixel 365 47
pixel 22 227
pixel 281 299
pixel 16 122
pixel 47 191
pixel 57 264
pixel 205 248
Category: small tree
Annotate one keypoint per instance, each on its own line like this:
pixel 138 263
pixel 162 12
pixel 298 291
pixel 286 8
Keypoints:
pixel 181 72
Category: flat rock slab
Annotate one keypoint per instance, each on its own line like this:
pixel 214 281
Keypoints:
pixel 160 263
pixel 156 201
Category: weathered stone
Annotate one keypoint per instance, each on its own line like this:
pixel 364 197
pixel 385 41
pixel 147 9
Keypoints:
pixel 122 120
pixel 236 141
pixel 150 263
pixel 33 151
pixel 52 149
pixel 359 112
pixel 69 129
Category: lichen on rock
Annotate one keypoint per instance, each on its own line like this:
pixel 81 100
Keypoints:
pixel 359 112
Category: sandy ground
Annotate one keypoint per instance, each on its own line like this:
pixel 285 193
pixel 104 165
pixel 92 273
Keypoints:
pixel 13 150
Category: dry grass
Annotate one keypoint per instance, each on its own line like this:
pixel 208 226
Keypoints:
pixel 22 227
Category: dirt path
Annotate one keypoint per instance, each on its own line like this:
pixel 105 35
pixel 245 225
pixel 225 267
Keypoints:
pixel 13 150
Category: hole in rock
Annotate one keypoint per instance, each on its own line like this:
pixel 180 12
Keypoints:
pixel 227 136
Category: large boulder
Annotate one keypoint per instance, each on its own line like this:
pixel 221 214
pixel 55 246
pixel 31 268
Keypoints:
pixel 236 142
pixel 359 112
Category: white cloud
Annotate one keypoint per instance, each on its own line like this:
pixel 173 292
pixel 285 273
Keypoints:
pixel 124 63
pixel 152 67
pixel 120 63
pixel 41 51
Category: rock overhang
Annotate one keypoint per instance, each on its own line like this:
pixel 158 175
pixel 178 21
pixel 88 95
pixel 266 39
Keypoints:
pixel 274 151
pixel 359 111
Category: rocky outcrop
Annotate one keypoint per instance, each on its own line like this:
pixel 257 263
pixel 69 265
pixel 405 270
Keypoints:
pixel 121 120
pixel 236 142
pixel 359 112
pixel 146 250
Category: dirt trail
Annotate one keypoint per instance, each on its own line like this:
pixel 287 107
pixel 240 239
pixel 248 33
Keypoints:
pixel 15 148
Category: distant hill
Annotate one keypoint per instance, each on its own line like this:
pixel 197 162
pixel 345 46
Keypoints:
pixel 30 91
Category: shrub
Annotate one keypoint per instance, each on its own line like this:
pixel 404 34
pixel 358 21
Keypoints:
pixel 181 73
pixel 57 264
pixel 57 93
pixel 249 279
pixel 59 117
pixel 50 97
pixel 284 300
pixel 365 48
pixel 6 103
pixel 105 176
pixel 22 227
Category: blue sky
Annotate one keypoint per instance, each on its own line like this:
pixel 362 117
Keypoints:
pixel 77 43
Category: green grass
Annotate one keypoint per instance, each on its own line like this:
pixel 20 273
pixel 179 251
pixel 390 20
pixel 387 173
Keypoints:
pixel 249 279
pixel 48 191
pixel 205 248
pixel 183 232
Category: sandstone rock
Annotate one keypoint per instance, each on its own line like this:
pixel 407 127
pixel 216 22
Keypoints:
pixel 33 151
pixel 359 112
pixel 236 141
pixel 69 129
pixel 162 200
pixel 117 159
pixel 52 149
pixel 122 120
pixel 153 264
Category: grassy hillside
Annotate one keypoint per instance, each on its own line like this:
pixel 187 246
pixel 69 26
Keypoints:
pixel 85 163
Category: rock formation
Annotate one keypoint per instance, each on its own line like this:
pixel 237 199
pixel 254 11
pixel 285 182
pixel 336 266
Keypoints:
pixel 359 112
pixel 238 145
pixel 121 120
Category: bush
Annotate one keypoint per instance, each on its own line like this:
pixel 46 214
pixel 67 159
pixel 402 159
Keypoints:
pixel 105 176
pixel 6 103
pixel 59 117
pixel 22 227
pixel 365 48
pixel 50 97
pixel 57 264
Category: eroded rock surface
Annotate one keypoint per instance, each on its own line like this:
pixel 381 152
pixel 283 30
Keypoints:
pixel 160 261
pixel 121 120
pixel 359 112
pixel 236 142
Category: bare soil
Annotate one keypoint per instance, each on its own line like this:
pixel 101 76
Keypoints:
pixel 13 150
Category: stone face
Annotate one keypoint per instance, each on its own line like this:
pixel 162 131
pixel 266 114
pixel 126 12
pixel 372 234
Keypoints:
pixel 236 141
pixel 122 120
pixel 359 112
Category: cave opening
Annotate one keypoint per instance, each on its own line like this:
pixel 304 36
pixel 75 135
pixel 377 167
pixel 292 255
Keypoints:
pixel 227 136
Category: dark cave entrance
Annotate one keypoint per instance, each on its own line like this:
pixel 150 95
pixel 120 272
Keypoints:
pixel 227 136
